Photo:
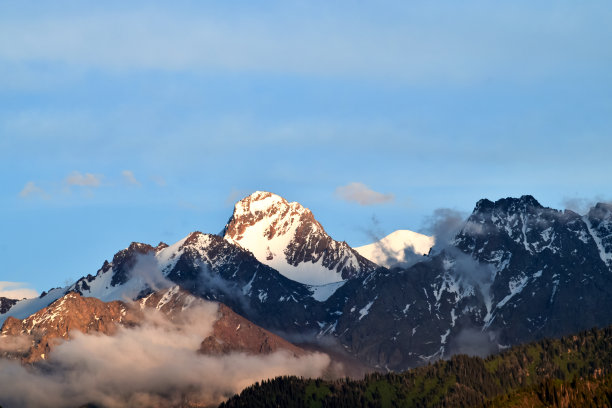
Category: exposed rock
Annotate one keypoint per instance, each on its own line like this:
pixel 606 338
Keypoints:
pixel 6 304
pixel 56 323
pixel 287 237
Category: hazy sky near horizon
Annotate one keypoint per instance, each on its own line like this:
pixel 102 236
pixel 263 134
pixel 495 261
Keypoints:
pixel 144 121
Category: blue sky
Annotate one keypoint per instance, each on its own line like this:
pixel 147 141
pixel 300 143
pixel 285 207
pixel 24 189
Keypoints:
pixel 144 121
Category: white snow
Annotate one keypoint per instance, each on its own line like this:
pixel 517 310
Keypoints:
pixel 27 307
pixel 391 249
pixel 515 286
pixel 524 232
pixel 269 238
pixel 366 309
pixel 101 288
pixel 322 292
pixel 168 256
pixel 246 289
pixel 605 256
pixel 444 336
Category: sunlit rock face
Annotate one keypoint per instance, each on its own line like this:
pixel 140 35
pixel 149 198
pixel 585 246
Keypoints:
pixel 287 237
pixel 35 337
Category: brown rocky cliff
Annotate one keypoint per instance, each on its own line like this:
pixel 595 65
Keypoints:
pixel 232 332
pixel 45 329
pixel 49 326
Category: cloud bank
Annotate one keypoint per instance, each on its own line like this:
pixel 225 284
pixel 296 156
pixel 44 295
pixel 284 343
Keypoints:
pixel 155 364
pixel 362 194
pixel 16 290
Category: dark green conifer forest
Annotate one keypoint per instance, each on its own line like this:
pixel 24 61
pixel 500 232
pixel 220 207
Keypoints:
pixel 574 371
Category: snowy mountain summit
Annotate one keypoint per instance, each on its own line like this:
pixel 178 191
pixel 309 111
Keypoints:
pixel 396 247
pixel 287 237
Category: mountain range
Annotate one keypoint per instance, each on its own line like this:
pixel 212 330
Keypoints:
pixel 512 272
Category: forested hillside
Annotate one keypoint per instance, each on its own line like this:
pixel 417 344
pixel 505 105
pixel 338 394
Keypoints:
pixel 571 371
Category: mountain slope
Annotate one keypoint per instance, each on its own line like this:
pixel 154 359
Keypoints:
pixel 397 247
pixel 516 272
pixel 287 237
pixel 207 266
pixel 44 330
pixel 544 264
pixel 461 381
pixel 71 312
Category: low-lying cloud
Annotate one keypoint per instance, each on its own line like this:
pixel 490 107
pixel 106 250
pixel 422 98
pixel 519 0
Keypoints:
pixel 15 344
pixel 362 194
pixel 155 364
pixel 474 342
pixel 16 290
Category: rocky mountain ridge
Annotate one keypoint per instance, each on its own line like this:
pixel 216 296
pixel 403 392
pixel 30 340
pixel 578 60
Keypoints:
pixel 35 337
pixel 515 272
pixel 288 238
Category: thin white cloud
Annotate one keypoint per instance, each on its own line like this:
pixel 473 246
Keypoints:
pixel 129 177
pixel 159 180
pixel 400 41
pixel 83 180
pixel 32 190
pixel 362 194
pixel 16 290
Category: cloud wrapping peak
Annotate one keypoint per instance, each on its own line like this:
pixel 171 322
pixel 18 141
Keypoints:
pixel 16 290
pixel 83 180
pixel 362 194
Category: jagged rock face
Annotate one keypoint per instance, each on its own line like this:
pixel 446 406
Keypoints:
pixel 517 272
pixel 287 237
pixel 213 268
pixel 125 260
pixel 48 326
pixel 550 275
pixel 6 304
pixel 402 318
pixel 230 331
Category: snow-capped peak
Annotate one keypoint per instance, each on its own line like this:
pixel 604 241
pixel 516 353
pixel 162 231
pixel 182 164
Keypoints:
pixel 392 249
pixel 287 237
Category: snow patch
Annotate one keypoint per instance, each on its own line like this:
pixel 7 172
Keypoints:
pixel 366 309
pixel 321 293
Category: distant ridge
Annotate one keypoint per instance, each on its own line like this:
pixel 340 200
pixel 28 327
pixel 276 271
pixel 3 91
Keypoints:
pixel 393 249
